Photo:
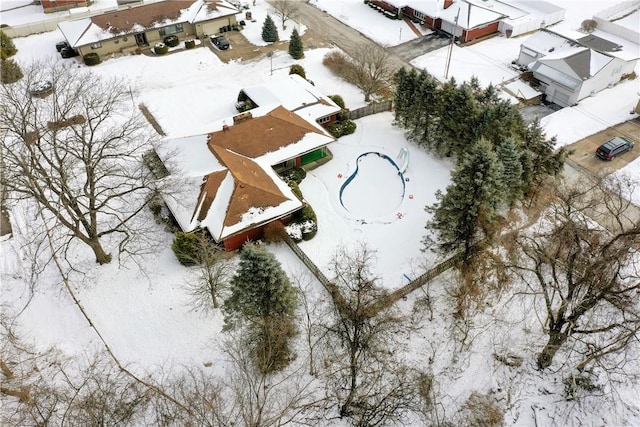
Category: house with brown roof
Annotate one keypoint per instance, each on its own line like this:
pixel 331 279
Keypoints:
pixel 230 185
pixel 141 26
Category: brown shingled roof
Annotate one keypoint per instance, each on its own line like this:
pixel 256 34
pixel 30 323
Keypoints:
pixel 256 137
pixel 146 15
pixel 252 186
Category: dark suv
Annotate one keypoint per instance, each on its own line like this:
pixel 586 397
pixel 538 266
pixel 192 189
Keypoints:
pixel 220 42
pixel 614 147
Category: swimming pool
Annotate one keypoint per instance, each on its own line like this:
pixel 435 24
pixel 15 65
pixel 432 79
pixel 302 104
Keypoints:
pixel 375 189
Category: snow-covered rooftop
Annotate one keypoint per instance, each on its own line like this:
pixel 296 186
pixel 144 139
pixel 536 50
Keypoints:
pixel 470 16
pixel 106 26
pixel 295 94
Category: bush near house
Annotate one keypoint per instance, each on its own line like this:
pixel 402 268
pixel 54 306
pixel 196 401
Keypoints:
pixel 185 247
pixel 294 174
pixel 299 70
pixel 189 44
pixel 338 100
pixel 344 127
pixel 91 59
pixel 161 49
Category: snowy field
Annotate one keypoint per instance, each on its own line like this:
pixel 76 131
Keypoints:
pixel 144 312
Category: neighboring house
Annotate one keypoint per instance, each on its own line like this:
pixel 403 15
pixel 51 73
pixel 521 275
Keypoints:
pixel 472 19
pixel 295 94
pixel 575 65
pixel 134 27
pixel 57 5
pixel 232 189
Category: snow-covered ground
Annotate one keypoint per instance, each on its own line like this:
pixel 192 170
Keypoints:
pixel 144 313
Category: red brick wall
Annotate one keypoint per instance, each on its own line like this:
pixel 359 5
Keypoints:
pixel 480 32
pixel 53 6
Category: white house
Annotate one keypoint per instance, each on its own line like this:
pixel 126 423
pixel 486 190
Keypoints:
pixel 574 65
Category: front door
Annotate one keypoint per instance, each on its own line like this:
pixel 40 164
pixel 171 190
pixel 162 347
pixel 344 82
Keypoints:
pixel 141 39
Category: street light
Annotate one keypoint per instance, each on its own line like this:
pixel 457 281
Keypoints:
pixel 270 55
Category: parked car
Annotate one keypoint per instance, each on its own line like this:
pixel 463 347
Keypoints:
pixel 68 52
pixel 614 147
pixel 220 42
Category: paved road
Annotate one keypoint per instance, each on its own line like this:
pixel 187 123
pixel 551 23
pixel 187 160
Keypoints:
pixel 339 34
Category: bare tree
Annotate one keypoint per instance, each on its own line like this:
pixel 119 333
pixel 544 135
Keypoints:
pixel 285 10
pixel 76 150
pixel 214 272
pixel 371 69
pixel 581 260
pixel 370 385
pixel 49 388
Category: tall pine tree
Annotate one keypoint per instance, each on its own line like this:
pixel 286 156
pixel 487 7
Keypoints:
pixel 296 50
pixel 7 48
pixel 269 30
pixel 542 158
pixel 509 153
pixel 466 212
pixel 262 297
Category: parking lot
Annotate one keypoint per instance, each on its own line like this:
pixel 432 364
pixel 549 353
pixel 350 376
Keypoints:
pixel 584 154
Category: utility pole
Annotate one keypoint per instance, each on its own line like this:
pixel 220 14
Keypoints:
pixel 453 37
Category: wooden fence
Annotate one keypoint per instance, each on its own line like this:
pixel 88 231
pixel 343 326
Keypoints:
pixel 367 110
pixel 383 302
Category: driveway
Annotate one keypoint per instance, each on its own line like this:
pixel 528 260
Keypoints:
pixel 584 155
pixel 412 49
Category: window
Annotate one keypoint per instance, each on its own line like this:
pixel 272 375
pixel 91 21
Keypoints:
pixel 96 45
pixel 171 29
pixel 323 119
pixel 419 15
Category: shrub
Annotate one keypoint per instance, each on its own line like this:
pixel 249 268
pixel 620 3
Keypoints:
pixel 338 63
pixel 189 44
pixel 274 232
pixel 185 247
pixel 10 71
pixel 91 59
pixel 296 190
pixel 338 100
pixel 160 48
pixel 335 129
pixel 299 70
pixel 348 127
pixel 307 219
pixel 6 46
pixel 294 174
pixel 171 41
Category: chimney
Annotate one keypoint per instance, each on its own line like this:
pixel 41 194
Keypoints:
pixel 242 117
pixel 225 128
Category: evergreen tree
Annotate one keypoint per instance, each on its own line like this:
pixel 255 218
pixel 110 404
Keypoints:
pixel 424 113
pixel 509 153
pixel 7 48
pixel 296 50
pixel 467 211
pixel 269 30
pixel 10 71
pixel 404 90
pixel 262 296
pixel 458 120
pixel 542 159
